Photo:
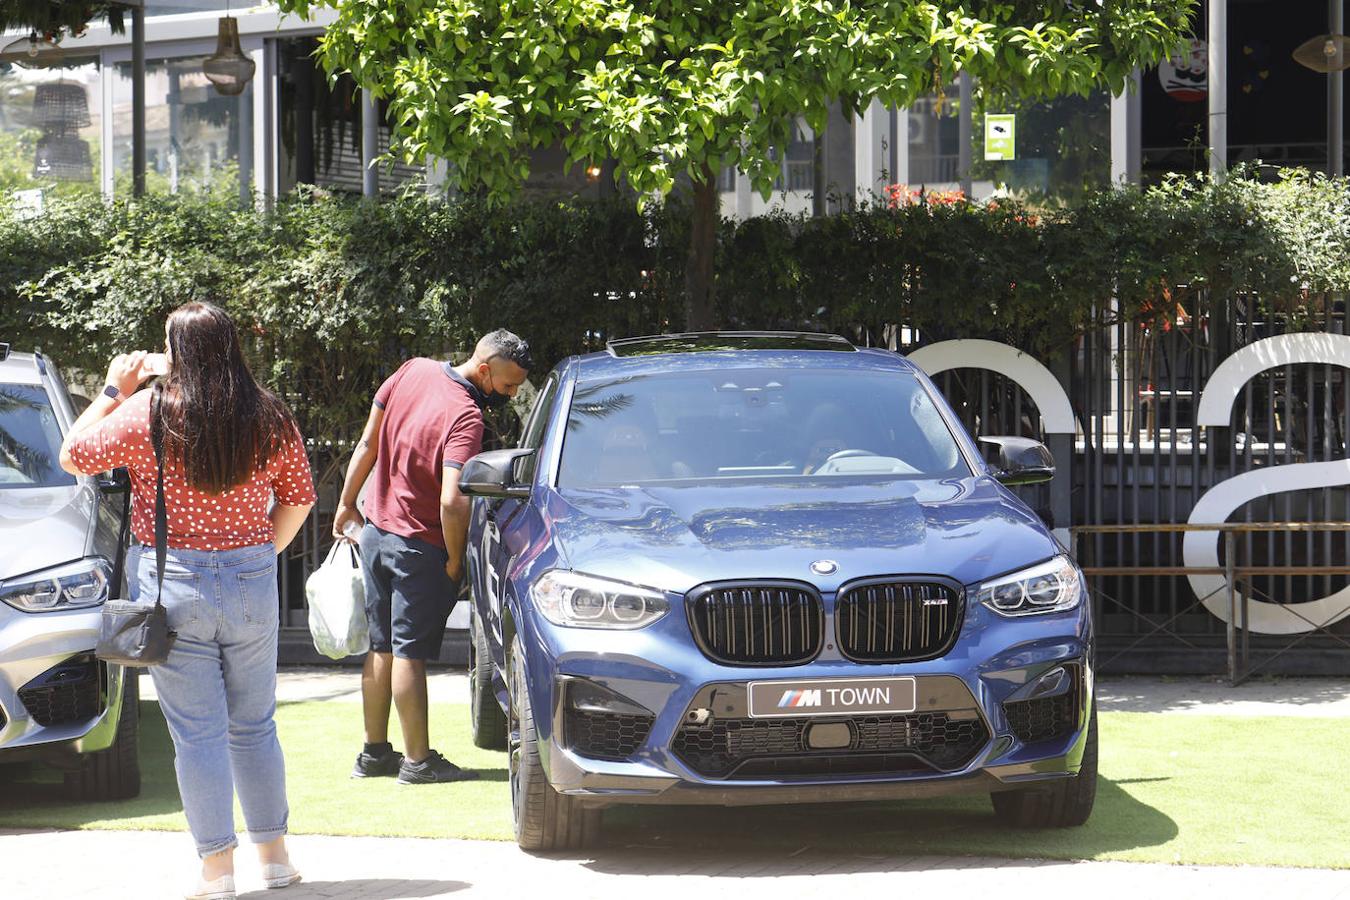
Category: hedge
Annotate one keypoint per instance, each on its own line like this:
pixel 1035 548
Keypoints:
pixel 335 291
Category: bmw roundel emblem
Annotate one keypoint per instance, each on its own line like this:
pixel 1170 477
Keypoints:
pixel 824 567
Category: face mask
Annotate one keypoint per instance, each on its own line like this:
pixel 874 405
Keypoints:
pixel 494 400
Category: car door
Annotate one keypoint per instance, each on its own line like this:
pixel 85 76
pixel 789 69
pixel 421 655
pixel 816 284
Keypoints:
pixel 501 538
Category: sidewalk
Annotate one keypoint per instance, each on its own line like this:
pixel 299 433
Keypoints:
pixel 137 865
pixel 47 865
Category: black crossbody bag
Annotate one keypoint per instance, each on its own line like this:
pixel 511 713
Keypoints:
pixel 129 634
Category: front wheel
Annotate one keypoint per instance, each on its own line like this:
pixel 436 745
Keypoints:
pixel 544 819
pixel 114 773
pixel 1064 804
pixel 487 719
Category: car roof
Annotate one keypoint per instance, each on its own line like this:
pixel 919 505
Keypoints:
pixel 20 368
pixel 733 350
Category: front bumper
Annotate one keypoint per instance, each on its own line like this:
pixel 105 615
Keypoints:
pixel 56 700
pixel 973 692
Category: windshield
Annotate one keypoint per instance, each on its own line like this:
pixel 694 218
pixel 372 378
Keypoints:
pixel 30 440
pixel 755 424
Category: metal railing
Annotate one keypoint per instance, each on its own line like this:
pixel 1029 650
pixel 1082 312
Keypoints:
pixel 1238 587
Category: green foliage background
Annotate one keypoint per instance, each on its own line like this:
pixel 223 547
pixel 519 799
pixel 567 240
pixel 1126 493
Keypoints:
pixel 691 86
pixel 333 292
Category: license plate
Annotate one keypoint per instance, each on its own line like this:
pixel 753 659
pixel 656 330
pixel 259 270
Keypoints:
pixel 831 697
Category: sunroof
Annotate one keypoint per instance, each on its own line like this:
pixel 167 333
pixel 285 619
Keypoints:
pixel 704 342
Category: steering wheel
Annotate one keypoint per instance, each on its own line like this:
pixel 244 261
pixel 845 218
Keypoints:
pixel 848 454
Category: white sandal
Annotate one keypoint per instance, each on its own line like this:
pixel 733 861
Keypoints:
pixel 280 875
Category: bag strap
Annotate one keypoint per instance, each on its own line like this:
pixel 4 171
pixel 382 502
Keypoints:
pixel 119 570
pixel 161 514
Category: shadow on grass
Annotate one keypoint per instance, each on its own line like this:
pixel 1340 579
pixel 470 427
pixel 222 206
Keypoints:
pixel 33 795
pixel 958 826
pixel 366 888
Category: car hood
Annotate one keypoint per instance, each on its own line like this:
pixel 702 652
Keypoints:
pixel 41 527
pixel 677 537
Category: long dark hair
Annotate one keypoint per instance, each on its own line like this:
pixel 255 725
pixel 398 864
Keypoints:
pixel 220 425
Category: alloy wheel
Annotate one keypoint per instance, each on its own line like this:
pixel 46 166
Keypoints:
pixel 514 685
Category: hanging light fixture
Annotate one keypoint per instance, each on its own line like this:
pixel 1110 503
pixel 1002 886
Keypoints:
pixel 228 68
pixel 1324 53
pixel 63 157
pixel 61 109
pixel 35 51
pixel 61 106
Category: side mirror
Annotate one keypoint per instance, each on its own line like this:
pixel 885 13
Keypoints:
pixel 492 474
pixel 1021 460
pixel 115 482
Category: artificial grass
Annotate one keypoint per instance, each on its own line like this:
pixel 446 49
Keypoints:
pixel 1174 788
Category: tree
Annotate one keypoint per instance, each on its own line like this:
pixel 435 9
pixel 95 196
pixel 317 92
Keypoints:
pixel 690 87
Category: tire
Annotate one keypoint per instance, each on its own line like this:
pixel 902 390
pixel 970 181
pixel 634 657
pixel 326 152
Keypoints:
pixel 544 819
pixel 486 717
pixel 114 773
pixel 1065 804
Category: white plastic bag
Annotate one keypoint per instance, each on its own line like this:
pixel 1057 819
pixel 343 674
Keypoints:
pixel 336 592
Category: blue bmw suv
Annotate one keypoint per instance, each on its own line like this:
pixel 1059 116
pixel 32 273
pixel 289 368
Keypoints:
pixel 756 568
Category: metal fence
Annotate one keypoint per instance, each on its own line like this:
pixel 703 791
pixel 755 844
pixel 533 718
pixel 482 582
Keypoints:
pixel 1139 458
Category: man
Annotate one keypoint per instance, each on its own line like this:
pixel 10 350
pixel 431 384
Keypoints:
pixel 426 422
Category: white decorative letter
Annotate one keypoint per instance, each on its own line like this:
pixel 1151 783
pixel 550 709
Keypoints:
pixel 1200 548
pixel 1045 390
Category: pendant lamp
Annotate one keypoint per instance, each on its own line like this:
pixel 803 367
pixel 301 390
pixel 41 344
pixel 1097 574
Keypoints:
pixel 1324 53
pixel 61 106
pixel 63 157
pixel 35 51
pixel 228 68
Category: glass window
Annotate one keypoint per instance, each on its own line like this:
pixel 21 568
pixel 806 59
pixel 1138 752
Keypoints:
pixel 792 189
pixel 934 142
pixel 755 424
pixel 50 128
pixel 535 427
pixel 320 129
pixel 197 140
pixel 30 439
pixel 1062 147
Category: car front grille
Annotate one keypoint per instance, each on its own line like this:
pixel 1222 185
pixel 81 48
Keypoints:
pixel 762 623
pixel 68 692
pixel 1046 718
pixel 744 748
pixel 897 621
pixel 606 735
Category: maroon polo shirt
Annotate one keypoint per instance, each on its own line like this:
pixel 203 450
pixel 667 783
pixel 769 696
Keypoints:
pixel 432 421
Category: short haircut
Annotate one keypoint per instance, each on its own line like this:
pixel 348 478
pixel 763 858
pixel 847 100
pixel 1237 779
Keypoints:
pixel 508 346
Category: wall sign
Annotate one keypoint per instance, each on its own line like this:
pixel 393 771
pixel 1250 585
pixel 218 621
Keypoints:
pixel 1185 74
pixel 1000 137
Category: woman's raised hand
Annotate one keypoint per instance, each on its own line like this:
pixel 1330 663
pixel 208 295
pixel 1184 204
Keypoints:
pixel 127 371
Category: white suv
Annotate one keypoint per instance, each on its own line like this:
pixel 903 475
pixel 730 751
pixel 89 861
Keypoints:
pixel 61 555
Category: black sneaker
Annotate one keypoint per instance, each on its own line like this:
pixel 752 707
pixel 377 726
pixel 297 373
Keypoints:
pixel 370 765
pixel 435 769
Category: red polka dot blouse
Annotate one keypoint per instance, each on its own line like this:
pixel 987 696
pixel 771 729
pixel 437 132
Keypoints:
pixel 197 520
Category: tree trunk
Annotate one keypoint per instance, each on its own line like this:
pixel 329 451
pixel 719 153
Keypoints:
pixel 699 281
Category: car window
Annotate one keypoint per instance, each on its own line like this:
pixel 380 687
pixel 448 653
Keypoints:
pixel 756 424
pixel 533 435
pixel 30 439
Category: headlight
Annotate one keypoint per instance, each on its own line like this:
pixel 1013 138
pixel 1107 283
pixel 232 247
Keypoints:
pixel 585 601
pixel 1052 586
pixel 71 586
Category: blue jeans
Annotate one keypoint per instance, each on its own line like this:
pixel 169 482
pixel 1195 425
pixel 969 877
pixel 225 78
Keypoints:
pixel 218 688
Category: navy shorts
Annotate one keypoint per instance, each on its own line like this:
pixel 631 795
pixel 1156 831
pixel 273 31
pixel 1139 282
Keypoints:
pixel 408 594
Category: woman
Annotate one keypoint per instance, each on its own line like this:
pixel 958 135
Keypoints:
pixel 230 449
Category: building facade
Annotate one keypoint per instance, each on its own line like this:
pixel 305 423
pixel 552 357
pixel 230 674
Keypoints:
pixel 68 126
